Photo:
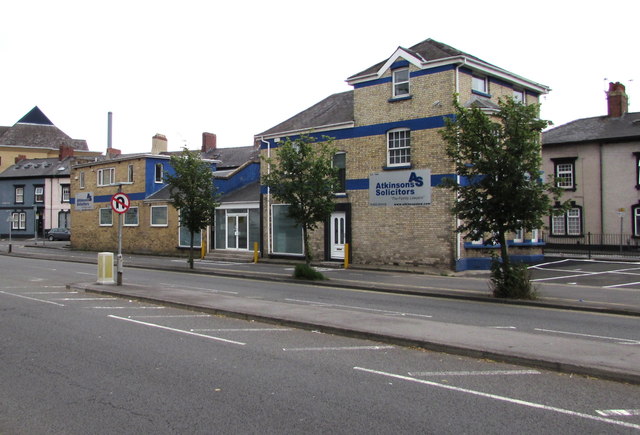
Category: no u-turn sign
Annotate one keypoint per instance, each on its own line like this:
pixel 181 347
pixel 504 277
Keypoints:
pixel 120 203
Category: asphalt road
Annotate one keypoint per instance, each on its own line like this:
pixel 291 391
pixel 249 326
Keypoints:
pixel 74 363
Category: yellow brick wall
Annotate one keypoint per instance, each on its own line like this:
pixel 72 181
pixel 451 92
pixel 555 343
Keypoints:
pixel 86 232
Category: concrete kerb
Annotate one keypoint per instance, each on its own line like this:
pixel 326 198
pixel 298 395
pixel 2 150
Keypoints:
pixel 265 311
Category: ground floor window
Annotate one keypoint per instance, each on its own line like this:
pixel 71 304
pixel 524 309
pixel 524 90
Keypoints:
pixel 287 234
pixel 106 217
pixel 159 216
pixel 567 224
pixel 131 217
pixel 184 238
pixel 636 220
pixel 19 221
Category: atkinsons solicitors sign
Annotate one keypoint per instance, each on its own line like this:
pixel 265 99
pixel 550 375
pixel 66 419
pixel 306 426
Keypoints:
pixel 412 187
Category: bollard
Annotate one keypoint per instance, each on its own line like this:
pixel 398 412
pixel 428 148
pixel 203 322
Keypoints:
pixel 105 268
pixel 255 252
pixel 346 255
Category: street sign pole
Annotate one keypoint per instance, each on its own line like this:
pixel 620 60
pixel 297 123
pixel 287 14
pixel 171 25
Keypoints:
pixel 120 203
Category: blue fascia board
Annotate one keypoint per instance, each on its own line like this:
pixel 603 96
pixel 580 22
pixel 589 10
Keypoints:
pixel 422 72
pixel 372 130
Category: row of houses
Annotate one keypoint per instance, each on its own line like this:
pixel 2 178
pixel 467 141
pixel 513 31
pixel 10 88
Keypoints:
pixel 386 130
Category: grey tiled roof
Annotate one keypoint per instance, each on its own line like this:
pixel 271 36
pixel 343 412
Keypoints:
pixel 335 109
pixel 233 157
pixel 248 193
pixel 427 50
pixel 599 128
pixel 38 168
pixel 36 130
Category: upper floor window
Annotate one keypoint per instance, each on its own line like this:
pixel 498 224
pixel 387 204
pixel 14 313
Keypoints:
pixel 158 174
pixel 65 191
pixel 339 162
pixel 38 194
pixel 19 195
pixel 398 147
pixel 518 96
pixel 637 180
pixel 565 172
pixel 401 82
pixel 106 176
pixel 130 173
pixel 479 84
pixel 81 179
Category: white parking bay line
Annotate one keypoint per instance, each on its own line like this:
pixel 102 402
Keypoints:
pixel 501 398
pixel 476 373
pixel 83 299
pixel 32 299
pixel 621 340
pixel 166 328
pixel 242 330
pixel 618 412
pixel 302 349
pixel 127 308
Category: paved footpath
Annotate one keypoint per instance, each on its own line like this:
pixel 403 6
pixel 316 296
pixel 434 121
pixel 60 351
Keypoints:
pixel 570 355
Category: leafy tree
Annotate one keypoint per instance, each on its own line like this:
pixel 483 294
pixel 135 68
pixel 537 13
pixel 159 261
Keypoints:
pixel 302 175
pixel 497 159
pixel 192 192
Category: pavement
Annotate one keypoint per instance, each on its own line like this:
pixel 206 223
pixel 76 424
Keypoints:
pixel 607 360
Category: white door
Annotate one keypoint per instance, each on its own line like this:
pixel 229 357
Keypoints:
pixel 338 234
pixel 237 231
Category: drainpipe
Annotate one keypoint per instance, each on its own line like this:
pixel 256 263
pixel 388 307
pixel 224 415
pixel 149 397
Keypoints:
pixel 601 190
pixel 457 220
pixel 268 198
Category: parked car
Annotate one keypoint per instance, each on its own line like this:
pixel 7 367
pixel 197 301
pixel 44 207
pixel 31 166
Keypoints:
pixel 59 234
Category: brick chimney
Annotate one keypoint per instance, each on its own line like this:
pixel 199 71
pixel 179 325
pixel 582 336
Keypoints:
pixel 617 100
pixel 65 151
pixel 20 158
pixel 209 142
pixel 159 144
pixel 112 152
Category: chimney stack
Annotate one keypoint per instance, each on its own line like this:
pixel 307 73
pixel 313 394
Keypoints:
pixel 617 100
pixel 209 142
pixel 112 153
pixel 158 144
pixel 65 151
pixel 20 158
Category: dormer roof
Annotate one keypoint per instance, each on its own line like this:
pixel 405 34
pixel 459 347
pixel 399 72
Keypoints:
pixel 431 54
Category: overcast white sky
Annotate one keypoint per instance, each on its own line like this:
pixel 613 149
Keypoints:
pixel 239 68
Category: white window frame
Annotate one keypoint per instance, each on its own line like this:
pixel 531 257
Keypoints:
pixel 65 192
pixel 399 82
pixel 519 236
pixel 480 84
pixel 130 173
pixel 101 177
pixel 18 221
pixel 568 223
pixel 565 175
pixel 152 215
pixel 158 166
pixel 104 223
pixel 399 147
pixel 81 182
pixel 129 213
pixel 38 194
pixel 19 195
pixel 535 235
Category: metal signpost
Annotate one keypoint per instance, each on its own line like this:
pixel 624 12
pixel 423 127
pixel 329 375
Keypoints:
pixel 120 203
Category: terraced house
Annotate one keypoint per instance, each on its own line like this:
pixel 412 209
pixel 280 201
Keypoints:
pixel 392 159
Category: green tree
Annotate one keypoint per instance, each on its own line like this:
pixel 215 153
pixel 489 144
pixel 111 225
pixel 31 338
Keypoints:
pixel 497 159
pixel 302 175
pixel 192 192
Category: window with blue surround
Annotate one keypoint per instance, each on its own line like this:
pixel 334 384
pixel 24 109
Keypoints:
pixel 479 84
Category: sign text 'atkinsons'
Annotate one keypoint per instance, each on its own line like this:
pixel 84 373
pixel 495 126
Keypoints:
pixel 396 188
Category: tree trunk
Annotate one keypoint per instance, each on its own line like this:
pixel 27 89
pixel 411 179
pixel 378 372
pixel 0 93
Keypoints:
pixel 504 251
pixel 307 251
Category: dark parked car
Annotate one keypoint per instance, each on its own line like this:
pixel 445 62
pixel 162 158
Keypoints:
pixel 59 234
